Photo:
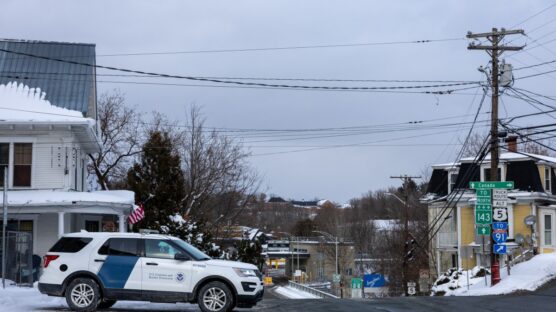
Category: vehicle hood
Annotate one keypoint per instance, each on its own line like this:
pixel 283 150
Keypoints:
pixel 230 264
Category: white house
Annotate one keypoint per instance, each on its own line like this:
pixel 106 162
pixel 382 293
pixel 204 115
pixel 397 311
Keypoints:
pixel 48 125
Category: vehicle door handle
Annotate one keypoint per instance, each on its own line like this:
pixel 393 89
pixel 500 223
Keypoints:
pixel 99 260
pixel 152 263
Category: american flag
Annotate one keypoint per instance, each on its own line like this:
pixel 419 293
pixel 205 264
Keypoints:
pixel 137 214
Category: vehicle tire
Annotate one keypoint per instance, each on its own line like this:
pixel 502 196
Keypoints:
pixel 106 304
pixel 215 297
pixel 83 295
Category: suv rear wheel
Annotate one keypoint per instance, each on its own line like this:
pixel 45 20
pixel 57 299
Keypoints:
pixel 83 295
pixel 215 297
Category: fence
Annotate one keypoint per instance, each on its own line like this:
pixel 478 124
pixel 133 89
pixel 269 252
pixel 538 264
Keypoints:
pixel 19 258
pixel 311 290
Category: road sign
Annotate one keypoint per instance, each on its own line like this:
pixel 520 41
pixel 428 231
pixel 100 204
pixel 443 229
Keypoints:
pixel 484 193
pixel 356 283
pixel 500 238
pixel 483 230
pixel 336 278
pixel 483 208
pixel 411 284
pixel 483 200
pixel 500 225
pixel 492 185
pixel 483 217
pixel 500 194
pixel 411 291
pixel 499 249
pixel 374 280
pixel 500 214
pixel 500 203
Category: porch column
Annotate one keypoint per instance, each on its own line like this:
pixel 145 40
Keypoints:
pixel 121 223
pixel 61 223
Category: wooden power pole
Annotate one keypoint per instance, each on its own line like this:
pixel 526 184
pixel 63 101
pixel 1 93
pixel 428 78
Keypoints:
pixel 495 49
pixel 405 178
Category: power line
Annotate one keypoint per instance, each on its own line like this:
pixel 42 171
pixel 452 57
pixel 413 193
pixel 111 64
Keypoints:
pixel 534 15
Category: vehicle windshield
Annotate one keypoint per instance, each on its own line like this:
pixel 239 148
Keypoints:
pixel 194 252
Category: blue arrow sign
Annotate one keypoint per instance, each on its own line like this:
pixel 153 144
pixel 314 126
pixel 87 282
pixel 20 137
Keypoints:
pixel 500 237
pixel 499 249
pixel 500 225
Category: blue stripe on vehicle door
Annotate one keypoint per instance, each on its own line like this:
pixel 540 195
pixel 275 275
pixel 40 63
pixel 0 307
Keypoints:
pixel 116 270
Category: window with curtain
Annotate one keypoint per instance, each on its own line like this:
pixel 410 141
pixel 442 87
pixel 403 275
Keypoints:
pixel 23 157
pixel 4 160
pixel 548 229
pixel 547 176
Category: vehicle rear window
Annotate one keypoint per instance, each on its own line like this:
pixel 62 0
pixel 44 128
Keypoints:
pixel 120 247
pixel 70 244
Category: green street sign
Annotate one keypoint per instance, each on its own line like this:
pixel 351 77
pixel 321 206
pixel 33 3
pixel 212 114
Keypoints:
pixel 483 230
pixel 483 208
pixel 484 193
pixel 483 200
pixel 483 217
pixel 491 185
pixel 356 283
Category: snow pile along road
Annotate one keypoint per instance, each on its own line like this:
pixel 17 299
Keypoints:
pixel 293 293
pixel 24 299
pixel 525 276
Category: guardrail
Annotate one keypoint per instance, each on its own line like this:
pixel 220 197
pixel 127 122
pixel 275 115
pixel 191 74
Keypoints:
pixel 312 291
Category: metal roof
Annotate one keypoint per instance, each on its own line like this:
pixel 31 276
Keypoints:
pixel 66 85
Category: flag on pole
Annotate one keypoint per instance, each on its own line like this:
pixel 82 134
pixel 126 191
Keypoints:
pixel 137 214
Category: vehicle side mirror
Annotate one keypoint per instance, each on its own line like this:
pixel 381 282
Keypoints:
pixel 181 257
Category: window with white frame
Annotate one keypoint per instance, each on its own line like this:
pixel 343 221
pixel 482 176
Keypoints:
pixel 18 159
pixel 548 229
pixel 452 176
pixel 547 179
pixel 486 174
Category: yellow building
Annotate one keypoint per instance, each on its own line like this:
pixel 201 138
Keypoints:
pixel 454 241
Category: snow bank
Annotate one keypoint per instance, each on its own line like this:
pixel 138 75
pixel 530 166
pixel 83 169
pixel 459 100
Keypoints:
pixel 23 299
pixel 44 197
pixel 19 103
pixel 293 293
pixel 525 276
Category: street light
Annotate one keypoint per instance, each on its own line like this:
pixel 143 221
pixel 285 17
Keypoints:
pixel 336 243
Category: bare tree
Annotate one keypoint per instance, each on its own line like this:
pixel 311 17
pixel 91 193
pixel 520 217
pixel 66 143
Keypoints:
pixel 216 171
pixel 119 127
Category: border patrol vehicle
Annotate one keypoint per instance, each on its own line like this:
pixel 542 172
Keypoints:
pixel 94 270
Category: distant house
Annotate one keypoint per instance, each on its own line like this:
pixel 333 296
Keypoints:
pixel 456 243
pixel 48 125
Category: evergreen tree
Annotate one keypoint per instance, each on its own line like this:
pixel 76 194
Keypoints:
pixel 159 173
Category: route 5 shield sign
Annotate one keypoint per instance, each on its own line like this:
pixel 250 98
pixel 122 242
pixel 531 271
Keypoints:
pixel 500 214
pixel 499 249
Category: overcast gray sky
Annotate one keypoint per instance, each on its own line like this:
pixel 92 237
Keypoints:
pixel 306 165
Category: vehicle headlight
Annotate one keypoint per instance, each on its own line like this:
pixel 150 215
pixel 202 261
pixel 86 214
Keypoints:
pixel 245 272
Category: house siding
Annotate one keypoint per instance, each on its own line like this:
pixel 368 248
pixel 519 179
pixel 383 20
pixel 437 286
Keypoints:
pixel 467 231
pixel 520 212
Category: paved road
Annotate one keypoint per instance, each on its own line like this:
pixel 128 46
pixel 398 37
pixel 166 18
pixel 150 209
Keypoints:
pixel 542 300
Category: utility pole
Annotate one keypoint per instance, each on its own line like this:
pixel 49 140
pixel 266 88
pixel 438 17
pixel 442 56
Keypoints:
pixel 4 226
pixel 494 50
pixel 405 178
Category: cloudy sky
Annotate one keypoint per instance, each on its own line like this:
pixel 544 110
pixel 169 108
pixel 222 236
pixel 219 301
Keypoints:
pixel 338 144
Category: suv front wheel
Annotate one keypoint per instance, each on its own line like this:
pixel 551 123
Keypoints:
pixel 83 295
pixel 215 297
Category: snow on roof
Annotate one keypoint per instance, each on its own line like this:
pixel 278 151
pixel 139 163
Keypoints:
pixel 508 156
pixel 52 197
pixel 23 104
pixel 385 225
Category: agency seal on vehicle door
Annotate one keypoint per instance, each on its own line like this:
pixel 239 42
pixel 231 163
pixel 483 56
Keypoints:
pixel 180 277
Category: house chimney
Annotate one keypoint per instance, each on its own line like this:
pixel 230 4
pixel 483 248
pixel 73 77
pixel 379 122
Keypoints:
pixel 512 143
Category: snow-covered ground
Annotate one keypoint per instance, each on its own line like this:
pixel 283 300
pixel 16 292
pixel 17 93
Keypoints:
pixel 294 293
pixel 525 276
pixel 23 299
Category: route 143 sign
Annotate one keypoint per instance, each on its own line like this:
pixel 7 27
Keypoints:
pixel 500 214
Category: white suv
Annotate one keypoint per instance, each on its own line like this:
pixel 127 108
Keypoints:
pixel 93 270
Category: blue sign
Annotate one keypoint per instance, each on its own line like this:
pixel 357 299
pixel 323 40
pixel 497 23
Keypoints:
pixel 500 225
pixel 374 280
pixel 500 237
pixel 499 249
